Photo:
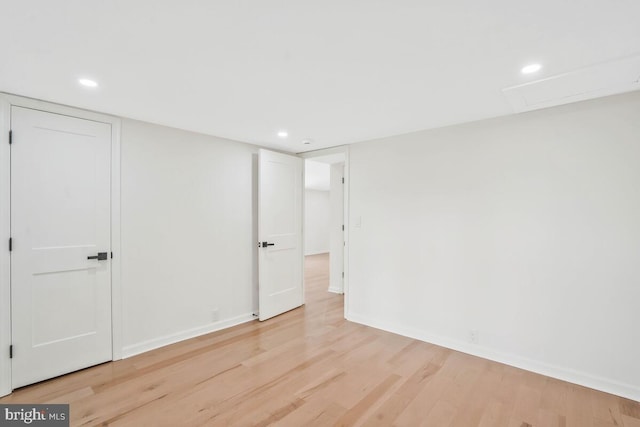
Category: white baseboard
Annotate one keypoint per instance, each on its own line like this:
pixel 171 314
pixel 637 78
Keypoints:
pixel 132 350
pixel 336 291
pixel 576 377
pixel 316 253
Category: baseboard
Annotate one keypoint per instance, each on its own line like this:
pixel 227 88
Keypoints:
pixel 576 377
pixel 336 291
pixel 152 344
pixel 316 253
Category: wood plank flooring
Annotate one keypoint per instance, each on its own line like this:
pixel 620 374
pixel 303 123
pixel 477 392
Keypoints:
pixel 310 367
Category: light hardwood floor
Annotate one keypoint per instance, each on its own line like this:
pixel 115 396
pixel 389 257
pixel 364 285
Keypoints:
pixel 311 367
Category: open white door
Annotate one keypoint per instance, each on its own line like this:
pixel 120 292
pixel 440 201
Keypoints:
pixel 280 256
pixel 61 239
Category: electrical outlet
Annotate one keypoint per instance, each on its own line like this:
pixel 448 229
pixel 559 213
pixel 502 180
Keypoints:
pixel 474 336
pixel 215 315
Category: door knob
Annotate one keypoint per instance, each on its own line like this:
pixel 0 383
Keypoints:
pixel 265 244
pixel 100 257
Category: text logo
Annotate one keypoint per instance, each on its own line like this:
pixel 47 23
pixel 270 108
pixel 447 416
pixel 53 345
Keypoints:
pixel 34 415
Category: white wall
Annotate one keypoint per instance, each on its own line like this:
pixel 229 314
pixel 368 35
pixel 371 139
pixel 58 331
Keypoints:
pixel 316 175
pixel 316 222
pixel 188 234
pixel 525 228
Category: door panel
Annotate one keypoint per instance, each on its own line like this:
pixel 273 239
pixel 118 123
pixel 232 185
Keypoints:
pixel 60 215
pixel 55 291
pixel 280 225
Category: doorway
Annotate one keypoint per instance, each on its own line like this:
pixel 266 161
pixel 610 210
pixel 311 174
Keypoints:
pixel 325 225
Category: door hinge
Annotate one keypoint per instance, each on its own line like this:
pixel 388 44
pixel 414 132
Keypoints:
pixel 11 351
pixel 342 227
pixel 111 255
pixel 10 244
pixel 343 274
pixel 343 180
pixel 10 137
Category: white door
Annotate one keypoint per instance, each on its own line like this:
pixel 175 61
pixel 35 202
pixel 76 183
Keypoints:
pixel 60 220
pixel 280 257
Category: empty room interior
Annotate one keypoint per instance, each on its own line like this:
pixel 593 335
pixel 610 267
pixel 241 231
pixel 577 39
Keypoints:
pixel 320 213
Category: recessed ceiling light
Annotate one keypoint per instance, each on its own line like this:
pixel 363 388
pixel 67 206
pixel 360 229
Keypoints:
pixel 88 82
pixel 283 134
pixel 531 68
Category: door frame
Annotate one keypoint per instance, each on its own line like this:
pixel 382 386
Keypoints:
pixel 6 102
pixel 343 149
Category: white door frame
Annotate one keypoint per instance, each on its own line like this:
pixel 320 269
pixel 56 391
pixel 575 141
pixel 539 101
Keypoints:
pixel 6 101
pixel 324 152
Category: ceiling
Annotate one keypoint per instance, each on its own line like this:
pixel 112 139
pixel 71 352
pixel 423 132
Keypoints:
pixel 335 72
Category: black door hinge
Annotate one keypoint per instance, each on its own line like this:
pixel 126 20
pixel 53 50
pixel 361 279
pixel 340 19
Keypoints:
pixel 11 351
pixel 111 255
pixel 342 227
pixel 10 137
pixel 343 180
pixel 10 244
